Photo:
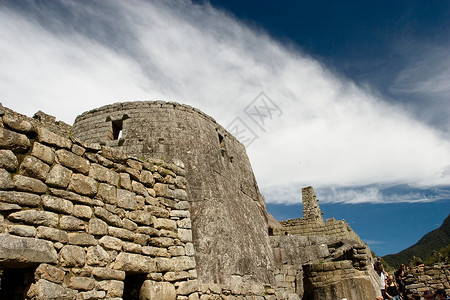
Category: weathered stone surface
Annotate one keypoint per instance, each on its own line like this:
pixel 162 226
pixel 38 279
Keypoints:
pixel 176 251
pixel 188 287
pixel 50 273
pixel 129 225
pixel 121 233
pixel 107 193
pixel 183 263
pixel 59 176
pixel 160 223
pixel 82 239
pixel 97 256
pixel 140 217
pixel 103 174
pixel 20 198
pixel 176 276
pixel 35 217
pixel 92 295
pixel 81 283
pixel 72 256
pixel 44 153
pixel 83 185
pixel 34 167
pixel 154 251
pixel 106 274
pixel 134 263
pixel 162 190
pixel 28 184
pixel 52 234
pixel 82 211
pixel 57 204
pixel 147 178
pixel 73 161
pixel 71 223
pixel 97 227
pixel 14 141
pixel 47 137
pixel 184 223
pixel 185 235
pixel 125 181
pixel 17 124
pixel 22 230
pixel 6 182
pixel 151 290
pixel 156 211
pixel 110 242
pixel 8 160
pixel 115 289
pixel 47 290
pixel 126 199
pixel 107 216
pixel 22 251
pixel 163 242
pixel 71 196
pixel 139 188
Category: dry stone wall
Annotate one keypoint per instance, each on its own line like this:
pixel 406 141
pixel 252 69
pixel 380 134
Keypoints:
pixel 421 279
pixel 222 189
pixel 84 221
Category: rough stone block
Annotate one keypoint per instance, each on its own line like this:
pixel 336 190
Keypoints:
pixel 156 211
pixel 57 204
pixel 50 273
pixel 132 247
pixel 34 167
pixel 71 223
pixel 110 242
pixel 35 217
pixel 151 290
pixel 44 153
pixel 115 289
pixel 14 141
pixel 162 242
pixel 162 190
pixel 52 234
pixel 126 199
pixel 97 256
pixel 44 289
pixel 82 239
pixel 154 251
pixel 6 181
pixel 19 252
pixel 8 160
pixel 82 211
pixel 188 287
pixel 92 295
pixel 139 188
pixel 22 230
pixel 47 137
pixel 103 174
pixel 106 274
pixel 72 256
pixel 183 263
pixel 184 223
pixel 160 223
pixel 28 184
pixel 97 227
pixel 107 193
pixel 107 216
pixel 81 283
pixel 59 176
pixel 83 185
pixel 18 124
pixel 121 233
pixel 185 235
pixel 147 178
pixel 125 181
pixel 134 263
pixel 140 217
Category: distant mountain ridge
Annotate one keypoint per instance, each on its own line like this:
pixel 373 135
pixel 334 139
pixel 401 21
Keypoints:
pixel 432 241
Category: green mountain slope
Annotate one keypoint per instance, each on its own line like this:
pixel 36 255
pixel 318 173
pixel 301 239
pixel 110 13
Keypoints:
pixel 432 241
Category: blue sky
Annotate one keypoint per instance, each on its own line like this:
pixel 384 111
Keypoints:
pixel 359 91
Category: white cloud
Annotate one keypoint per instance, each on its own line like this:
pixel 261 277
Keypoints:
pixel 330 133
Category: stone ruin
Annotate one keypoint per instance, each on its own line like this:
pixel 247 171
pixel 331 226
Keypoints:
pixel 155 200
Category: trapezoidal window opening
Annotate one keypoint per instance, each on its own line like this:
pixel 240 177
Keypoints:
pixel 117 129
pixel 221 141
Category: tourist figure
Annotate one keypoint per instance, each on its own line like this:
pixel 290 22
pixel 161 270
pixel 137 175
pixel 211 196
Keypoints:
pixel 391 289
pixel 382 280
pixel 441 295
pixel 399 275
pixel 377 264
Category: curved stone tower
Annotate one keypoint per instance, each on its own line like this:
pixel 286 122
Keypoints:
pixel 229 220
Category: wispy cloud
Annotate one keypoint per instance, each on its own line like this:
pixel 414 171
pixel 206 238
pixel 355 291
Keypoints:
pixel 75 57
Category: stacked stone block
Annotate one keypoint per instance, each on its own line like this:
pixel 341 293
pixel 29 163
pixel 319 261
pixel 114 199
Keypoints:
pixel 421 279
pixel 86 217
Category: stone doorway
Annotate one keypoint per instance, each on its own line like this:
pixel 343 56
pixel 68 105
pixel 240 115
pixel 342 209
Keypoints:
pixel 14 283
